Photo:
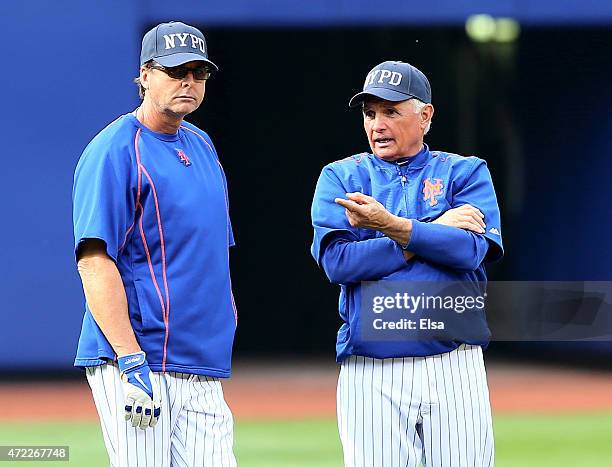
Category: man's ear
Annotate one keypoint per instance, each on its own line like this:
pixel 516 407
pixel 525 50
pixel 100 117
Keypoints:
pixel 426 115
pixel 144 76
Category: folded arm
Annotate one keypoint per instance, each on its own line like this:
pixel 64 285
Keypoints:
pixel 345 261
pixel 441 242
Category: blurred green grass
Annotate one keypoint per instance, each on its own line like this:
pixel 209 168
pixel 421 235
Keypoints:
pixel 521 441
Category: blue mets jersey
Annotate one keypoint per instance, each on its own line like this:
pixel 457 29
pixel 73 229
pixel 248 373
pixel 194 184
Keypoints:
pixel 159 202
pixel 420 188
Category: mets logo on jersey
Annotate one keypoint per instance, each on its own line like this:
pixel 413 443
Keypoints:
pixel 183 157
pixel 431 190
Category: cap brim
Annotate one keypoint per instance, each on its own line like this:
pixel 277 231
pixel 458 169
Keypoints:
pixel 382 93
pixel 179 59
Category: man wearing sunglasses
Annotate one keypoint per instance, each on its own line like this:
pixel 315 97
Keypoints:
pixel 152 234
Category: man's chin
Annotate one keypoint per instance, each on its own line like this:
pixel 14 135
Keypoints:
pixel 183 108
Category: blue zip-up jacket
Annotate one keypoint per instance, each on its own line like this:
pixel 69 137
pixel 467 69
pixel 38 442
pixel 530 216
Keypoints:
pixel 420 188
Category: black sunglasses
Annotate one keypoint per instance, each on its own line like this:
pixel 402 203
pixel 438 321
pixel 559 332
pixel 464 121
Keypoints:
pixel 200 73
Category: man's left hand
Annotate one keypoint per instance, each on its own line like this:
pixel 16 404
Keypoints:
pixel 142 405
pixel 363 211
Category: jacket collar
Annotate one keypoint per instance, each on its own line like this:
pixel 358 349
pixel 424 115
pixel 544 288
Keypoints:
pixel 417 161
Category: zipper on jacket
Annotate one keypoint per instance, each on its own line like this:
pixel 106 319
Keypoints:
pixel 403 180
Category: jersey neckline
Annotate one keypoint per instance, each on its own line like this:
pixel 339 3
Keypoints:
pixel 160 136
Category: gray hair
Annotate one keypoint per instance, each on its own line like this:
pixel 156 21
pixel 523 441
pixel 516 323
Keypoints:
pixel 418 107
pixel 141 88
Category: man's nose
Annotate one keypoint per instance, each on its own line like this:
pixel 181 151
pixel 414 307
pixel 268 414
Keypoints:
pixel 379 124
pixel 189 78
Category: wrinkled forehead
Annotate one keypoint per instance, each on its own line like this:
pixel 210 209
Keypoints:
pixel 370 102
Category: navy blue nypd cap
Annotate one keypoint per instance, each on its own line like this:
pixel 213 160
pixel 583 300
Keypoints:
pixel 174 43
pixel 394 81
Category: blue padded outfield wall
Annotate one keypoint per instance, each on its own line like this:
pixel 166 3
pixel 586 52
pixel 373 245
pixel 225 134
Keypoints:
pixel 74 62
pixel 66 72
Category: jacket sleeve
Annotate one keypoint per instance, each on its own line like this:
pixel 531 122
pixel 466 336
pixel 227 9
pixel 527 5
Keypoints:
pixel 339 248
pixel 452 247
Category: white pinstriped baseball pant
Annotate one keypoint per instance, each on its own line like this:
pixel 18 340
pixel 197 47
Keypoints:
pixel 195 426
pixel 403 411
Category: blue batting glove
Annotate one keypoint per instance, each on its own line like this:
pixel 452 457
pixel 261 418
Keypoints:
pixel 142 407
